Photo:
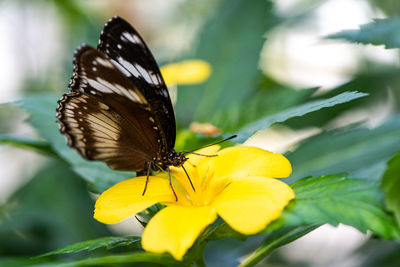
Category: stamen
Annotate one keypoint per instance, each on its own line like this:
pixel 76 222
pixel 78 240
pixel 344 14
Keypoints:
pixel 189 178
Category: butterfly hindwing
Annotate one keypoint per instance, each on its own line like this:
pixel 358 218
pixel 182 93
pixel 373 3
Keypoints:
pixel 129 53
pixel 105 117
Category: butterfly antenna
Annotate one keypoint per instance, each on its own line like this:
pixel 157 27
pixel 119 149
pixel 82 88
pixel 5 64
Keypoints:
pixel 147 179
pixel 189 178
pixel 219 142
pixel 170 184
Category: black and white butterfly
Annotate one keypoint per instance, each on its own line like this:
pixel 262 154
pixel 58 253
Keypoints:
pixel 118 108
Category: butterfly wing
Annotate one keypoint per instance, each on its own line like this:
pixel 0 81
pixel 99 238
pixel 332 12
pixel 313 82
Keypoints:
pixel 105 116
pixel 129 53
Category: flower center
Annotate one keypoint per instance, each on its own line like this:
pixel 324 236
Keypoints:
pixel 206 186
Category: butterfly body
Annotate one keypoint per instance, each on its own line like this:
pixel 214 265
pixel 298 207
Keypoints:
pixel 118 108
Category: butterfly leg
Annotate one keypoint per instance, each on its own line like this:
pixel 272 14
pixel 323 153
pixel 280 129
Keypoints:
pixel 189 178
pixel 170 184
pixel 147 179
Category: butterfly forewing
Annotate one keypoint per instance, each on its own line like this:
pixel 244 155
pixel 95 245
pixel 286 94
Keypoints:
pixel 105 117
pixel 118 109
pixel 127 50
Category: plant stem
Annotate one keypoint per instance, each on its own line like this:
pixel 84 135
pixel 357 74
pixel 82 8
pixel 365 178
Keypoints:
pixel 282 237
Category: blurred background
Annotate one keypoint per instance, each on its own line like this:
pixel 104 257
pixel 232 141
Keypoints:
pixel 266 56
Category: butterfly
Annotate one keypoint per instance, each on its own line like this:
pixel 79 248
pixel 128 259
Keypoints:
pixel 118 109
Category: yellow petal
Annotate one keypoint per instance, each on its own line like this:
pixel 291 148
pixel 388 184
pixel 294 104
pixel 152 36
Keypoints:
pixel 125 199
pixel 186 72
pixel 174 229
pixel 249 205
pixel 244 161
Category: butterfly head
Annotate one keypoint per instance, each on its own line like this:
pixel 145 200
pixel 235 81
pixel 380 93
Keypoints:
pixel 176 159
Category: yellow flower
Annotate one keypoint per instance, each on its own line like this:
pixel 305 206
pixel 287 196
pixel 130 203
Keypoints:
pixel 186 72
pixel 237 185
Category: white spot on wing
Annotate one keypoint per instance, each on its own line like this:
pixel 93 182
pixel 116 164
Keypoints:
pixel 104 62
pixel 99 85
pixel 106 87
pixel 132 95
pixel 121 68
pixel 137 40
pixel 128 66
pixel 146 75
pixel 130 37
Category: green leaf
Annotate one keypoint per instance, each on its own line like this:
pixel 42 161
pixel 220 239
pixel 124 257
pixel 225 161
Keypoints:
pixel 137 257
pixel 379 32
pixel 103 242
pixel 19 261
pixel 362 152
pixel 331 199
pixel 337 199
pixel 233 51
pixel 223 230
pixel 277 239
pixel 391 186
pixel 269 99
pixel 368 81
pixel 39 146
pixel 248 130
pixel 42 111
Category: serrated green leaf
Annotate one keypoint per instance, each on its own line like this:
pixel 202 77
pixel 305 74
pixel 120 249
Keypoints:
pixel 331 199
pixel 337 199
pixel 391 186
pixel 103 242
pixel 270 99
pixel 379 32
pixel 387 80
pixel 362 152
pixel 42 111
pixel 39 146
pixel 248 130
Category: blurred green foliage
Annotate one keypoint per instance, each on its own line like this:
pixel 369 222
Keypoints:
pixel 391 185
pixel 54 209
pixel 51 210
